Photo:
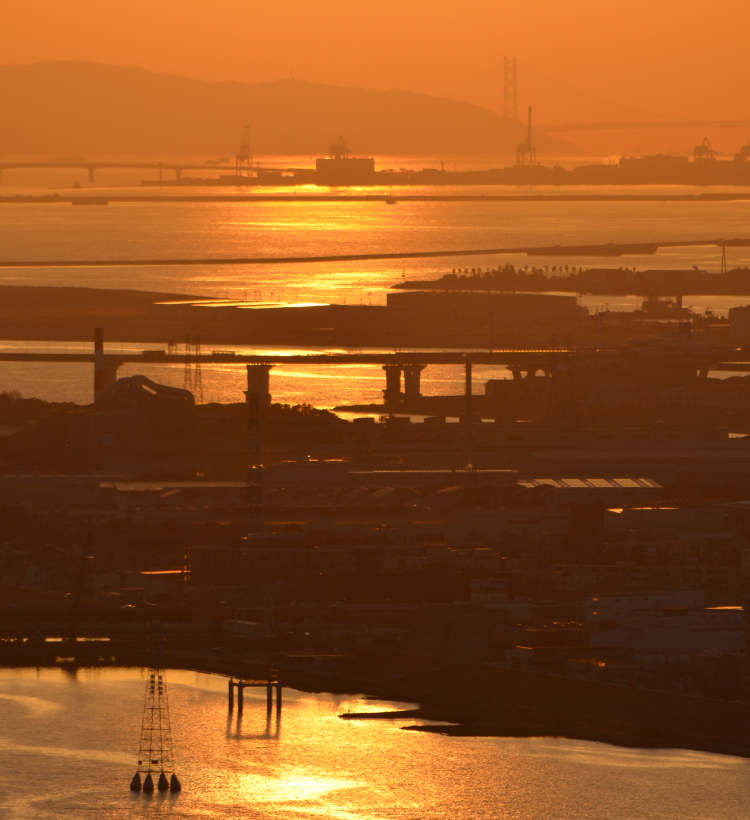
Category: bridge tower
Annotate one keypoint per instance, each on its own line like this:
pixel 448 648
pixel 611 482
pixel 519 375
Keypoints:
pixel 510 99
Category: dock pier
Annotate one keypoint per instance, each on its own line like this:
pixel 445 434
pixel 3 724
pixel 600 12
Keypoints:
pixel 270 684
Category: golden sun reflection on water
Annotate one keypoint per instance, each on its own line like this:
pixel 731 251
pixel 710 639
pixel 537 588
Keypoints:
pixel 78 763
pixel 294 785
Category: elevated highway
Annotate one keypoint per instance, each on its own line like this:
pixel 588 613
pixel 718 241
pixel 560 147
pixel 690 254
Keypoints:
pixel 94 165
pixel 521 362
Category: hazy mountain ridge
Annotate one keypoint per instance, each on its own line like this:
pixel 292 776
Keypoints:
pixel 90 108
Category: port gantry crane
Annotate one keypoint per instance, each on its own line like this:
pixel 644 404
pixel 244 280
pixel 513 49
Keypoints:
pixel 743 154
pixel 704 151
pixel 339 150
pixel 244 158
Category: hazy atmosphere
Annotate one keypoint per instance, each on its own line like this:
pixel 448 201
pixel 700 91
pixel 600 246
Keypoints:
pixel 374 410
pixel 580 62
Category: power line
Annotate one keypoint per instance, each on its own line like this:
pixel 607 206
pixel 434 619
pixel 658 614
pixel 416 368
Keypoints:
pixel 494 69
pixel 593 98
pixel 478 78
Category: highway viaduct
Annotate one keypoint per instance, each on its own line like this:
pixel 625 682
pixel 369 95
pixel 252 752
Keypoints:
pixel 93 166
pixel 522 363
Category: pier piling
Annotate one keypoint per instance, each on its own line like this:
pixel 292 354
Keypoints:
pixel 270 684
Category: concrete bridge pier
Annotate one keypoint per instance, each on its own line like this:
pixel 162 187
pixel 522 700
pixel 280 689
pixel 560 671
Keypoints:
pixel 91 173
pixel 259 381
pixel 240 685
pixel 412 379
pixel 105 369
pixel 468 415
pixel 178 174
pixel 392 393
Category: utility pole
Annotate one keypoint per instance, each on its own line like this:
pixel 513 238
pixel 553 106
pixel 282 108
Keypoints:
pixel 258 397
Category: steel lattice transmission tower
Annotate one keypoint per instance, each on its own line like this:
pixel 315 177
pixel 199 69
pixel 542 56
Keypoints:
pixel 155 757
pixel 510 101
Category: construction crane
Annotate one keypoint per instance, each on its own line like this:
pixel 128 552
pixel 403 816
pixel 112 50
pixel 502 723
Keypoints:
pixel 526 154
pixel 704 151
pixel 743 154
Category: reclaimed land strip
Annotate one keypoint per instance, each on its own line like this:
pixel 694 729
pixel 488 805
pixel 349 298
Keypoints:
pixel 69 314
pixel 608 250
pixel 390 198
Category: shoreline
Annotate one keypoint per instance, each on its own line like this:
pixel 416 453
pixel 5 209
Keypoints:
pixel 440 725
pixel 389 197
pixel 503 702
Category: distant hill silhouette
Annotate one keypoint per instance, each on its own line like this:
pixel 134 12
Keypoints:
pixel 64 108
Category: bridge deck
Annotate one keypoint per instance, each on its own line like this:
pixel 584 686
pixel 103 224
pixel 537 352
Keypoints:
pixel 430 357
pixel 727 360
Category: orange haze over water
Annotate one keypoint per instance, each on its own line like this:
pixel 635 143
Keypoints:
pixel 681 60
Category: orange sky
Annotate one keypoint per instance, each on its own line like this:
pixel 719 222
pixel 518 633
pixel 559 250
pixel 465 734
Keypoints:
pixel 681 59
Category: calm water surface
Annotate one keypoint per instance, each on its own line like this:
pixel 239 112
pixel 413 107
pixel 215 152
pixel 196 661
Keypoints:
pixel 68 748
pixel 282 229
